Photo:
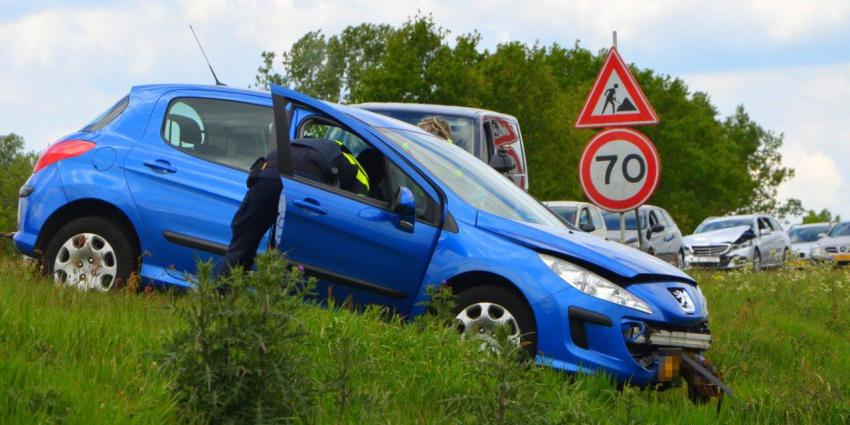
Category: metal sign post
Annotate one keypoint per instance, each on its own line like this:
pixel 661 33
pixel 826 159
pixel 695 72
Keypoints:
pixel 622 227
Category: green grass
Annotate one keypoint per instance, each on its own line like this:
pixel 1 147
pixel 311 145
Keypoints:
pixel 781 338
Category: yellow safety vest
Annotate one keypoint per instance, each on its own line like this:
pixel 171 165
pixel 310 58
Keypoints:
pixel 362 175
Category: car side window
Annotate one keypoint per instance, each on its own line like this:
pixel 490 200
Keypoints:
pixel 385 178
pixel 763 224
pixel 775 224
pixel 653 219
pixel 584 217
pixel 226 132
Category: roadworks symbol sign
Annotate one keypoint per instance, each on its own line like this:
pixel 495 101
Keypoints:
pixel 616 98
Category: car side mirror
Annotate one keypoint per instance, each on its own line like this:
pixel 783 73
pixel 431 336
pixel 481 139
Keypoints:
pixel 501 161
pixel 404 206
pixel 822 234
pixel 587 227
pixel 765 232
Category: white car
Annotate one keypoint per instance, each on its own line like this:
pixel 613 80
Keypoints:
pixel 804 236
pixel 583 215
pixel 730 242
pixel 835 246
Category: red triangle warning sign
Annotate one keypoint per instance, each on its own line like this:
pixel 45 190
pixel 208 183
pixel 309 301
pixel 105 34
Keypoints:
pixel 616 98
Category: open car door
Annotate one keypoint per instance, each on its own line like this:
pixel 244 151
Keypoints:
pixel 374 250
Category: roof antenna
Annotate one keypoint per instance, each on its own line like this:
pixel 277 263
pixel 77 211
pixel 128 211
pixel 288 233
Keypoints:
pixel 218 83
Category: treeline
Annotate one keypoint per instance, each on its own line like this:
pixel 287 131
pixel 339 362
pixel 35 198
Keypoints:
pixel 16 166
pixel 711 165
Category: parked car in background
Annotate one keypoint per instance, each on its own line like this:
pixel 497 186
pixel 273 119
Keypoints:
pixel 730 242
pixel 586 216
pixel 804 236
pixel 835 246
pixel 478 131
pixel 661 236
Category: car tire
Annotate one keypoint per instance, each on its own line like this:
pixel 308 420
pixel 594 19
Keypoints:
pixel 680 260
pixel 480 307
pixel 91 253
pixel 757 260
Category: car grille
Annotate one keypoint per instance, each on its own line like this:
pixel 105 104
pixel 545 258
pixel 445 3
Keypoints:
pixel 710 250
pixel 832 249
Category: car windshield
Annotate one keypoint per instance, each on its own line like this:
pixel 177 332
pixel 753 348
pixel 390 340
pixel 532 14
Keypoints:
pixel 471 179
pixel 724 224
pixel 842 229
pixel 806 234
pixel 463 128
pixel 568 213
pixel 612 220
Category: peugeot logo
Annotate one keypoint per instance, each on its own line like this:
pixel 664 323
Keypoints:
pixel 684 300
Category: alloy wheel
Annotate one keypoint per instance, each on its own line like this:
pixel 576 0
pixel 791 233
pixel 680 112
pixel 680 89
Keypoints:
pixel 482 319
pixel 86 261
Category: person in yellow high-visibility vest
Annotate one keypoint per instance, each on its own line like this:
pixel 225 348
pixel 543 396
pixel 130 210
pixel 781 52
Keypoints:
pixel 437 126
pixel 360 183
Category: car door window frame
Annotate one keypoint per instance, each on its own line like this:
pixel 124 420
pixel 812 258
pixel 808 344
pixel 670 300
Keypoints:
pixel 178 98
pixel 384 205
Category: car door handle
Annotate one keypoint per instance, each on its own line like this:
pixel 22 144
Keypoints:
pixel 160 165
pixel 311 205
pixel 669 238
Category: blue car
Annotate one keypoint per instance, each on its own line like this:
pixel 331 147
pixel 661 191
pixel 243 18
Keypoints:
pixel 152 184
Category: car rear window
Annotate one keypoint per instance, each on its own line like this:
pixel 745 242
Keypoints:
pixel 109 115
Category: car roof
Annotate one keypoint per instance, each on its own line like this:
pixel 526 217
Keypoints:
pixel 567 203
pixel 367 117
pixel 433 109
pixel 734 217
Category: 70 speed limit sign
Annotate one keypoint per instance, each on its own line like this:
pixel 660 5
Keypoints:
pixel 619 169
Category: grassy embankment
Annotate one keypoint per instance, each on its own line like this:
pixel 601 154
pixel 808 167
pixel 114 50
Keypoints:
pixel 781 338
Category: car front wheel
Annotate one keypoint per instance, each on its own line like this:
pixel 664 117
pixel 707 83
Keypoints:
pixel 756 260
pixel 91 253
pixel 481 310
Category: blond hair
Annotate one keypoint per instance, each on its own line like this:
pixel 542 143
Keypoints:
pixel 436 126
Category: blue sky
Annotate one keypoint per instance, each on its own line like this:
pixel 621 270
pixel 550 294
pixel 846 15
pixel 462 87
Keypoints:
pixel 787 61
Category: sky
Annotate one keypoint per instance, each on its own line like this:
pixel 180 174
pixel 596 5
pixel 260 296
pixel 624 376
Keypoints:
pixel 787 61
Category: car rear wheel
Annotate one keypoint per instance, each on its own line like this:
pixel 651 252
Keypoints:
pixel 481 310
pixel 91 253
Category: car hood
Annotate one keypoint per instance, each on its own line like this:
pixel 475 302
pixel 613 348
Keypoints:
pixel 834 241
pixel 716 236
pixel 627 265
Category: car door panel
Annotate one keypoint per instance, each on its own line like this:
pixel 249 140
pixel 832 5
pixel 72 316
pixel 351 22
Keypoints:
pixel 169 186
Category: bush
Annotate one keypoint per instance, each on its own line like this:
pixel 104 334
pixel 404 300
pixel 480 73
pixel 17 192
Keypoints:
pixel 235 360
pixel 17 167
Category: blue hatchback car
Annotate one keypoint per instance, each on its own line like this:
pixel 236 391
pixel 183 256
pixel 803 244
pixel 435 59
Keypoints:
pixel 153 183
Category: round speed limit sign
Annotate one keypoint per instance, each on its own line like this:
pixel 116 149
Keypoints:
pixel 619 169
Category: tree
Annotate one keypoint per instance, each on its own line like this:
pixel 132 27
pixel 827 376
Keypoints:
pixel 17 167
pixel 711 166
pixel 824 216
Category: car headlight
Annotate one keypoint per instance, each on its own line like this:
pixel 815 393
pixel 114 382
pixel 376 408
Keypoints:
pixel 593 284
pixel 688 249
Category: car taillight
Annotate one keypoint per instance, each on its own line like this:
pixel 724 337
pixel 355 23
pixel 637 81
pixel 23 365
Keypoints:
pixel 62 150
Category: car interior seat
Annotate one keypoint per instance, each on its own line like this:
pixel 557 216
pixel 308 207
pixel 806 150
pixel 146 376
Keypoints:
pixel 373 162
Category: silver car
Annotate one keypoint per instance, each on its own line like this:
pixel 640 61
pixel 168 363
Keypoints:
pixel 835 246
pixel 804 236
pixel 731 242
pixel 585 216
pixel 661 236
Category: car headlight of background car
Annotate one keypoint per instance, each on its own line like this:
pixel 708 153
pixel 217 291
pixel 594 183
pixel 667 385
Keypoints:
pixel 593 284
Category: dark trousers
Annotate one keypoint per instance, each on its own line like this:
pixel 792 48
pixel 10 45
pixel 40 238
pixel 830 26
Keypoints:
pixel 255 217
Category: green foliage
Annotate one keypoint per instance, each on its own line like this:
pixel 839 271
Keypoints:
pixel 711 166
pixel 824 216
pixel 781 339
pixel 235 358
pixel 17 167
